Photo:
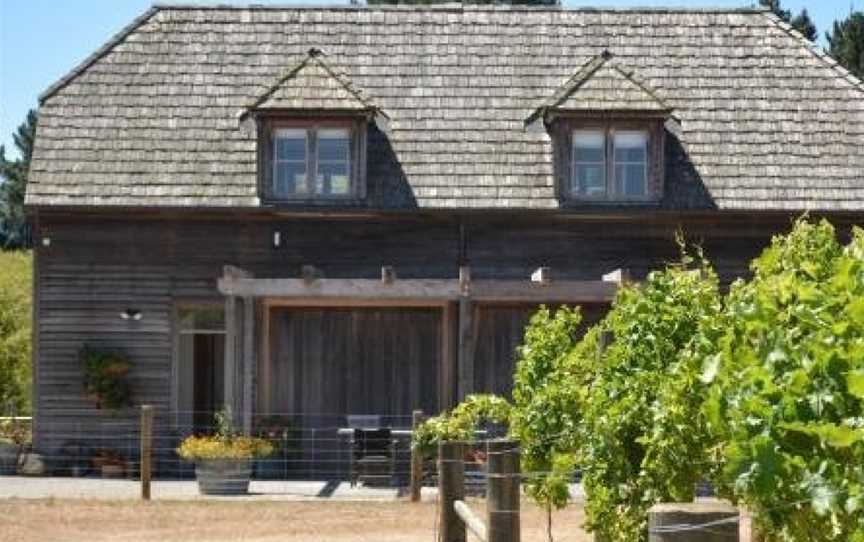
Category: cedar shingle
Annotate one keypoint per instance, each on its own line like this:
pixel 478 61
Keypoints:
pixel 767 121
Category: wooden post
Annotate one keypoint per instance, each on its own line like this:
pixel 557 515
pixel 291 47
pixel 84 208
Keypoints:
pixel 747 531
pixel 230 356
pixel 465 357
pixel 248 362
pixel 665 522
pixel 451 488
pixel 146 449
pixel 416 459
pixel 502 491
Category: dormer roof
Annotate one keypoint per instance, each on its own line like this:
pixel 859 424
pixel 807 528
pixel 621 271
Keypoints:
pixel 604 85
pixel 312 85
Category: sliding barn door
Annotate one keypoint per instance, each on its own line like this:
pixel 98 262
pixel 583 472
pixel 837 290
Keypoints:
pixel 328 361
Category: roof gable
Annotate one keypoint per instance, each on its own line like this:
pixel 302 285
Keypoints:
pixel 603 85
pixel 312 85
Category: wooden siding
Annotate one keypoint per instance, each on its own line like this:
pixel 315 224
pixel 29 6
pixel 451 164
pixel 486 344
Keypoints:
pixel 96 266
pixel 499 331
pixel 354 361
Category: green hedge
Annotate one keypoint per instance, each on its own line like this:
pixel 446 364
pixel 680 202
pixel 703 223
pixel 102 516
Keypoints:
pixel 16 280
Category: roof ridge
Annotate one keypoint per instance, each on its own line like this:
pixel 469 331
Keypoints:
pixel 455 6
pixel 816 50
pixel 106 48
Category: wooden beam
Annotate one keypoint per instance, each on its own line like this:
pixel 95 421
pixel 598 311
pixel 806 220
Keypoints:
pixel 448 357
pixel 248 361
pixel 619 275
pixel 342 288
pixel 465 369
pixel 231 340
pixel 471 520
pixel 566 291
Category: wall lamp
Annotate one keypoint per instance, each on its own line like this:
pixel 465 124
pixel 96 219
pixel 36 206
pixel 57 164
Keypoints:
pixel 131 314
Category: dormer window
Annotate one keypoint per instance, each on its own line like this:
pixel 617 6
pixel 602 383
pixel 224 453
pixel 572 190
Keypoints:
pixel 311 161
pixel 607 131
pixel 609 164
pixel 308 159
pixel 312 126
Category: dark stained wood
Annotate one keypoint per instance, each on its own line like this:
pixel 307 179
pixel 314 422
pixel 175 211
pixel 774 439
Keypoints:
pixel 500 331
pixel 354 361
pixel 99 264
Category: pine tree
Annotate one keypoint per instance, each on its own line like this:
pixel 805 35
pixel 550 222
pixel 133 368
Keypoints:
pixel 801 22
pixel 804 24
pixel 14 230
pixel 846 43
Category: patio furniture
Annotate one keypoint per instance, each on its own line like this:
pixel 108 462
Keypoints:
pixel 372 452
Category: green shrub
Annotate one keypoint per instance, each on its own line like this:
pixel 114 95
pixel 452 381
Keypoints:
pixel 15 330
pixel 787 367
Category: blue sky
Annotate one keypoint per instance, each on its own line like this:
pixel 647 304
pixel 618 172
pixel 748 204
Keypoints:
pixel 41 40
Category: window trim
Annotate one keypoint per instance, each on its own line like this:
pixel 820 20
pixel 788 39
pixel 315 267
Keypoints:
pixel 267 128
pixel 563 132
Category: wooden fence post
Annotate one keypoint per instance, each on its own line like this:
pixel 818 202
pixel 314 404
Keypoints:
pixel 146 449
pixel 747 531
pixel 416 459
pixel 502 491
pixel 451 488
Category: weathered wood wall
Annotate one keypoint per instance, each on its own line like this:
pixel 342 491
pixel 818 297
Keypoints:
pixel 98 265
pixel 355 361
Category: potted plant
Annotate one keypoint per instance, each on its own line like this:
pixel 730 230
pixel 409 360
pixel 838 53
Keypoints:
pixel 105 378
pixel 13 438
pixel 223 461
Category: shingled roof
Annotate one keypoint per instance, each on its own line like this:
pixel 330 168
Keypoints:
pixel 764 119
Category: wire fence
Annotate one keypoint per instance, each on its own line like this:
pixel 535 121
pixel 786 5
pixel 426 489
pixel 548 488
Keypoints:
pixel 372 449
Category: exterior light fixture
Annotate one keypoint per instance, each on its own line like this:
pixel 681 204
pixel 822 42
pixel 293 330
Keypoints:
pixel 131 314
pixel 46 241
pixel 277 239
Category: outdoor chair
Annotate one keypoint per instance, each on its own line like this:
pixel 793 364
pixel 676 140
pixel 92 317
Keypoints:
pixel 372 452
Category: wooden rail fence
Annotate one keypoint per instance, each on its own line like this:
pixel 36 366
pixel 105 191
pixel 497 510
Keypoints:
pixel 456 518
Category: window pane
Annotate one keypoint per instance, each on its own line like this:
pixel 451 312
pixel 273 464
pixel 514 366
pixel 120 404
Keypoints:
pixel 589 163
pixel 333 145
pixel 631 179
pixel 332 178
pixel 590 179
pixel 631 163
pixel 290 178
pixel 291 145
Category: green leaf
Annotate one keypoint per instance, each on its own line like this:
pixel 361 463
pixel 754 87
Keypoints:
pixel 855 383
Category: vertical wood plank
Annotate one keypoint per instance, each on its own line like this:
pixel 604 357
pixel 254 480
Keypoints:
pixel 146 450
pixel 447 359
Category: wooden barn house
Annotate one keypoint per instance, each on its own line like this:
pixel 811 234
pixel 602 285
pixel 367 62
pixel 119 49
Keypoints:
pixel 354 210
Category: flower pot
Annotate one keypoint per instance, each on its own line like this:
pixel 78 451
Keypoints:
pixel 223 476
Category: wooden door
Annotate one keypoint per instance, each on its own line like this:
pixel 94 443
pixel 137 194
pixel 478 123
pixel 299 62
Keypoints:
pixel 333 361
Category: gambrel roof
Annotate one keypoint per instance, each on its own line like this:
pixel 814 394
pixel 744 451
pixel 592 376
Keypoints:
pixel 762 118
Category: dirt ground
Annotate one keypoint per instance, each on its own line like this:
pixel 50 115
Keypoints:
pixel 215 521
